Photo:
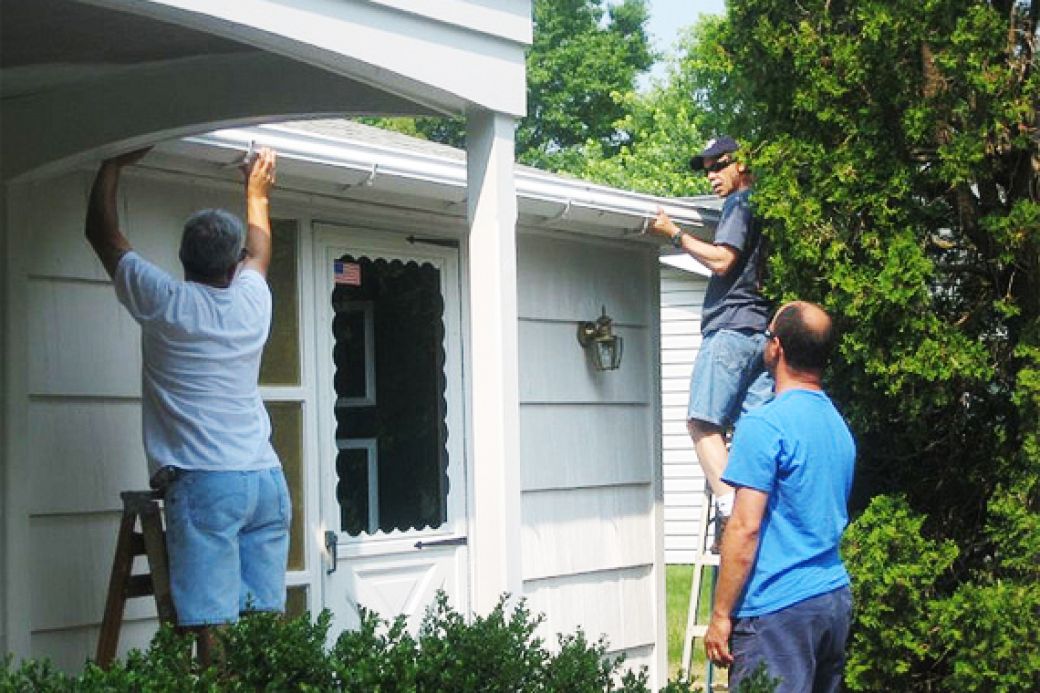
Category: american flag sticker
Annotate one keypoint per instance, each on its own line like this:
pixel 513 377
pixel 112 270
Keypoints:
pixel 348 273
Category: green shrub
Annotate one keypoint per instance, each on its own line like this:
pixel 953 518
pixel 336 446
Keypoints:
pixel 915 629
pixel 894 573
pixel 377 656
pixel 990 638
pixel 265 652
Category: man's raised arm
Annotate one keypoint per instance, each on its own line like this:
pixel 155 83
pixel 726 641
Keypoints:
pixel 102 225
pixel 259 181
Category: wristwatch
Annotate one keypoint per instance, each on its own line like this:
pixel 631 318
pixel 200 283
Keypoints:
pixel 677 238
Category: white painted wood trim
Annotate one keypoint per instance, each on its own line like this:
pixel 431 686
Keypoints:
pixel 659 670
pixel 494 355
pixel 5 433
pixel 17 591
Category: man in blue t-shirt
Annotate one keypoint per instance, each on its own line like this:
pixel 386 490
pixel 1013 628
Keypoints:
pixel 783 593
pixel 728 376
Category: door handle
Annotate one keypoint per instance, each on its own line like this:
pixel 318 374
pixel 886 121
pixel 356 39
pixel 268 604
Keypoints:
pixel 457 541
pixel 332 547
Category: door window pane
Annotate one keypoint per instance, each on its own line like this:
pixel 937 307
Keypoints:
pixel 393 458
pixel 295 601
pixel 280 364
pixel 287 440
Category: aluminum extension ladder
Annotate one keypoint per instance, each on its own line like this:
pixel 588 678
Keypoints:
pixel 703 560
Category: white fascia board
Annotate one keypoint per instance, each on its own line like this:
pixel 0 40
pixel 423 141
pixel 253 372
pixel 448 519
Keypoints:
pixel 376 161
pixel 508 19
pixel 429 59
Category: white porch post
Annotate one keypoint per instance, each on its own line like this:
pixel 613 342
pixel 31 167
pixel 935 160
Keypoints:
pixel 494 527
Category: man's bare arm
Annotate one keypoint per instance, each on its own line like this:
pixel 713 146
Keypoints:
pixel 259 181
pixel 102 224
pixel 719 258
pixel 739 546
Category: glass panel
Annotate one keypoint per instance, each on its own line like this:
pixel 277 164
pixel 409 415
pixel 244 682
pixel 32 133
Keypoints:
pixel 352 491
pixel 280 364
pixel 402 426
pixel 353 353
pixel 287 439
pixel 296 601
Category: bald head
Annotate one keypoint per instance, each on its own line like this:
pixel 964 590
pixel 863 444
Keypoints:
pixel 806 333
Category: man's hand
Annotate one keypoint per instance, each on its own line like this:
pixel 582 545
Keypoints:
pixel 662 225
pixel 260 173
pixel 716 640
pixel 259 181
pixel 102 224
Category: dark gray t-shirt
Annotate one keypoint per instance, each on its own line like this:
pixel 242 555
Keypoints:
pixel 734 301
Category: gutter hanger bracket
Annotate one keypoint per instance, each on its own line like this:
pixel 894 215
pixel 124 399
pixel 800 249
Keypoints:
pixel 563 214
pixel 641 231
pixel 367 181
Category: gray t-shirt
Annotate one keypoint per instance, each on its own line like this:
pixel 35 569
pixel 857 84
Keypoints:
pixel 201 347
pixel 734 300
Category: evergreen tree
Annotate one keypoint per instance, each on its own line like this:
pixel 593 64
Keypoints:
pixel 897 151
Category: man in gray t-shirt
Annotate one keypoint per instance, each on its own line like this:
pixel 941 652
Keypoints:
pixel 206 431
pixel 728 376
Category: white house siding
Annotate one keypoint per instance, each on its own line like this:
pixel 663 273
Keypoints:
pixel 589 444
pixel 78 387
pixel 682 294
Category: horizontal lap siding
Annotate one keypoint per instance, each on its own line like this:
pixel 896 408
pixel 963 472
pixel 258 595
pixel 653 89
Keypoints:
pixel 682 295
pixel 588 447
pixel 616 603
pixel 83 388
pixel 65 648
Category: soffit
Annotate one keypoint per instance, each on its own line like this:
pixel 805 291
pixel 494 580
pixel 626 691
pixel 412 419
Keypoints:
pixel 48 44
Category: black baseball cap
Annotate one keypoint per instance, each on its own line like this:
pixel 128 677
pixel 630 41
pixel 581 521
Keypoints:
pixel 716 147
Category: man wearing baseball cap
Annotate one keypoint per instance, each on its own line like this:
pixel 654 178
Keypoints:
pixel 729 376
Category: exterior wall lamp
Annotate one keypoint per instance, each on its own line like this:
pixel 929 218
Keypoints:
pixel 606 347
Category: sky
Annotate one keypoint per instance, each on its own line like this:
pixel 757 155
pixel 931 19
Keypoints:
pixel 667 16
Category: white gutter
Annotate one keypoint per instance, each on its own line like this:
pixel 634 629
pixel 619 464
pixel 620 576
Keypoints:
pixel 375 160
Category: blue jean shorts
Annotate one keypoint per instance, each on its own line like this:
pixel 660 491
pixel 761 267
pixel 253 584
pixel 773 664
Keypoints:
pixel 227 534
pixel 802 645
pixel 729 377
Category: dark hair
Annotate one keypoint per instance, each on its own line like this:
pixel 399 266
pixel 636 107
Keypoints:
pixel 211 244
pixel 806 347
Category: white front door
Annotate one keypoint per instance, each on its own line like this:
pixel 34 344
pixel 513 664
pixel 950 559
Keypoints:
pixel 393 470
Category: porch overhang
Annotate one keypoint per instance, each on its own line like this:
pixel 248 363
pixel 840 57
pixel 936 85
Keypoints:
pixel 92 77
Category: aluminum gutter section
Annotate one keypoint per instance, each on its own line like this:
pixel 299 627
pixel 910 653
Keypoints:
pixel 378 160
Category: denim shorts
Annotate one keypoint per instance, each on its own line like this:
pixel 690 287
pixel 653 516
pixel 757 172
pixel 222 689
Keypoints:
pixel 802 645
pixel 227 534
pixel 729 377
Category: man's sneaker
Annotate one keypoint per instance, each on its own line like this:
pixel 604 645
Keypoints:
pixel 720 527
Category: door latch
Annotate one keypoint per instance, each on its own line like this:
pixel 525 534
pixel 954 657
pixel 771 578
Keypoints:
pixel 332 547
pixel 456 541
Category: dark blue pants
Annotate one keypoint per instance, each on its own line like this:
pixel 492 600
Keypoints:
pixel 802 645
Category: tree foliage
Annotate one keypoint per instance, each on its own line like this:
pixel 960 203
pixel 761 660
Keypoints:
pixel 585 55
pixel 897 151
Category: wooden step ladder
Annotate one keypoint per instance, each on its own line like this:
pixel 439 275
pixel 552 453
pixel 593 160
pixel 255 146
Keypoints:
pixel 703 561
pixel 140 506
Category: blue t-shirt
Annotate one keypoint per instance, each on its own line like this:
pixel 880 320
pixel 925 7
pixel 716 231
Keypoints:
pixel 799 450
pixel 734 300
